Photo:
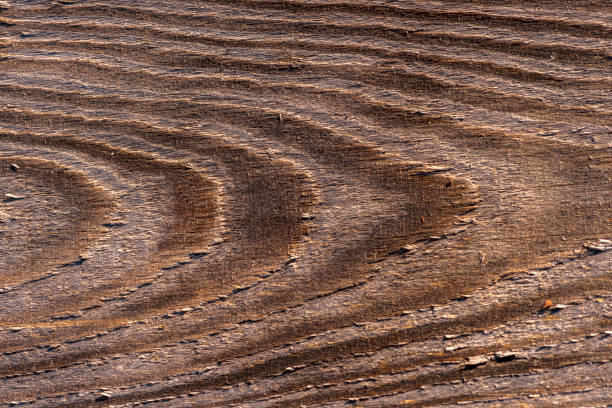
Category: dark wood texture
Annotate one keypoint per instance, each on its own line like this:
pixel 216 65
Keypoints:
pixel 253 203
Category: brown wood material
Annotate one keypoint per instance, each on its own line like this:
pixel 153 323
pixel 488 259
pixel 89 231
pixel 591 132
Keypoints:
pixel 300 203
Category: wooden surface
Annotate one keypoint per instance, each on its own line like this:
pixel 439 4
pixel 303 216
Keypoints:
pixel 252 203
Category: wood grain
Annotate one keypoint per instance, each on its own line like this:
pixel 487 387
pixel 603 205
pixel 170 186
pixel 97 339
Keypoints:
pixel 257 203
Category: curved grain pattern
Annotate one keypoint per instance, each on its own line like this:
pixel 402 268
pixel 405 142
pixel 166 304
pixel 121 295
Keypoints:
pixel 305 203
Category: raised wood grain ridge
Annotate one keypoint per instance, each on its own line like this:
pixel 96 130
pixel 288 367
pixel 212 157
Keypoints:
pixel 257 203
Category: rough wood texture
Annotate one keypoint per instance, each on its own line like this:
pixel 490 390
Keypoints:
pixel 298 203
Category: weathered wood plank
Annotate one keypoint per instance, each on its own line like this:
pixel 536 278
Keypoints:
pixel 305 203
